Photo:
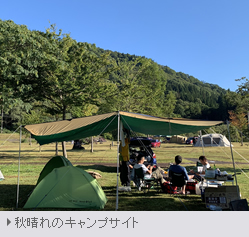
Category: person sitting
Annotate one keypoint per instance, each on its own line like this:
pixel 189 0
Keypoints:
pixel 205 166
pixel 140 164
pixel 204 163
pixel 180 170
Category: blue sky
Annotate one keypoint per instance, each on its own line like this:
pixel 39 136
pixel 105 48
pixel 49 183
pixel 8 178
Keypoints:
pixel 207 39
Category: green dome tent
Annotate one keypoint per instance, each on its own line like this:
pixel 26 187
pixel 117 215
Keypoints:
pixel 67 187
pixel 55 162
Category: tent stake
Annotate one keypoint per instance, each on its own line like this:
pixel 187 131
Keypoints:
pixel 18 177
pixel 117 160
pixel 235 176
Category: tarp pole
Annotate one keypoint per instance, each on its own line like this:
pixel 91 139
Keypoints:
pixel 202 143
pixel 18 177
pixel 235 176
pixel 117 161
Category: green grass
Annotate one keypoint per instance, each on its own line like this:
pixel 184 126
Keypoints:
pixel 102 160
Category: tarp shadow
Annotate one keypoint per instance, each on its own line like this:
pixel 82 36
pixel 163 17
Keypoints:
pixel 8 195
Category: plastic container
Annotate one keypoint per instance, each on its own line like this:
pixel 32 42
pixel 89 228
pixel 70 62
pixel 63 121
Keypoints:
pixel 210 174
pixel 197 189
pixel 215 208
pixel 199 169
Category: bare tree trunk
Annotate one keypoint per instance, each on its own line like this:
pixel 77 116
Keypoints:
pixel 92 145
pixel 241 138
pixel 30 141
pixel 56 148
pixel 2 120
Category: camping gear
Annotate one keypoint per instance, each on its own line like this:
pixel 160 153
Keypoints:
pixel 79 128
pixel 221 177
pixel 200 187
pixel 142 181
pixel 220 196
pixel 190 186
pixel 199 166
pixel 67 187
pixel 124 189
pixel 168 188
pixel 239 205
pixel 212 140
pixel 94 174
pixel 1 176
pixel 210 173
pixel 55 162
pixel 199 169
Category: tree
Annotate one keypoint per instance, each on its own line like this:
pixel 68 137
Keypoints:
pixel 239 121
pixel 53 67
pixel 243 90
pixel 140 86
pixel 86 110
pixel 169 104
pixel 11 107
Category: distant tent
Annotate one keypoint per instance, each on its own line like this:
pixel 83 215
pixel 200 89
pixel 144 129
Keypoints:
pixel 212 140
pixel 178 139
pixel 1 176
pixel 55 162
pixel 67 187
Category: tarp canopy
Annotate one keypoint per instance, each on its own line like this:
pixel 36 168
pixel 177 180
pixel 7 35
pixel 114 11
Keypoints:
pixel 78 128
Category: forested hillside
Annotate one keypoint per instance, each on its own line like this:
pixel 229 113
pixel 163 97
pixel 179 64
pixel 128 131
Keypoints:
pixel 188 96
pixel 48 76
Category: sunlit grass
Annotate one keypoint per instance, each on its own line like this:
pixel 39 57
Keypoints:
pixel 103 161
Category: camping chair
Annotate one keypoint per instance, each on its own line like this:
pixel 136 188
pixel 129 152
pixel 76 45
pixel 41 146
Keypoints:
pixel 177 179
pixel 143 182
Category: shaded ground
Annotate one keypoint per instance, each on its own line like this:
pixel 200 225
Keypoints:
pixel 162 165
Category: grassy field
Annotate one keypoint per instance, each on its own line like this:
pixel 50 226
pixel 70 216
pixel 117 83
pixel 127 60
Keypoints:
pixel 103 160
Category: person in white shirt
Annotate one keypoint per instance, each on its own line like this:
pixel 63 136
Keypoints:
pixel 140 163
pixel 205 166
pixel 204 163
